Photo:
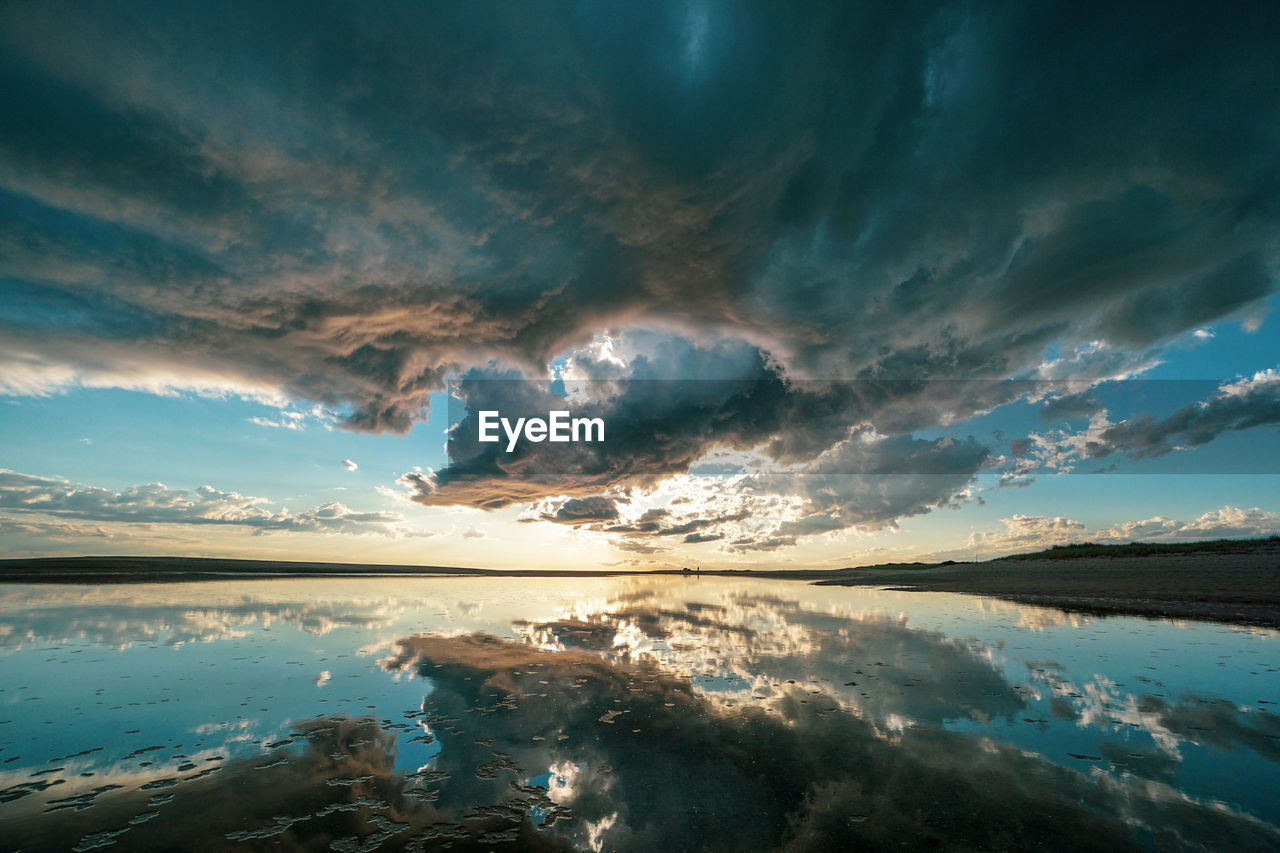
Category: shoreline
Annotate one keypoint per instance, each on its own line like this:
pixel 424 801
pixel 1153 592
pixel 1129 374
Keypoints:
pixel 1238 586
pixel 177 569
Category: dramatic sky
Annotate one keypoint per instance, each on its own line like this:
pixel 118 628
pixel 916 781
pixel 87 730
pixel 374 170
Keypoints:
pixel 848 283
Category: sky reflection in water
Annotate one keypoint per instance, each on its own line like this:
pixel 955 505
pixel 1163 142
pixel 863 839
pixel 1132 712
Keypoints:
pixel 620 714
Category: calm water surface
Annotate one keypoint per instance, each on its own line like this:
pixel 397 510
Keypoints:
pixel 621 714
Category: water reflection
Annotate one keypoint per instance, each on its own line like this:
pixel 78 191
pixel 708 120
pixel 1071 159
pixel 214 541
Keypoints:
pixel 619 714
pixel 112 617
pixel 338 789
pixel 872 664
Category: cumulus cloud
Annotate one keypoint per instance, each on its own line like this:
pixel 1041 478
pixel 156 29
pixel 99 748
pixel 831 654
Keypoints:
pixel 154 503
pixel 1022 533
pixel 867 483
pixel 1026 533
pixel 1228 522
pixel 815 441
pixel 349 465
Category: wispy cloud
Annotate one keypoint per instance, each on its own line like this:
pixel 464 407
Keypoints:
pixel 26 495
pixel 287 420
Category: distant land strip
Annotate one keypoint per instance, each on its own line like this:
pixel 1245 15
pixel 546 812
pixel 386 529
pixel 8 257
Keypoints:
pixel 1227 580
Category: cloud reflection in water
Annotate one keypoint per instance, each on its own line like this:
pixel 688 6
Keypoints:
pixel 614 714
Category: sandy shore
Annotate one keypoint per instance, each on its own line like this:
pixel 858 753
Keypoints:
pixel 1241 587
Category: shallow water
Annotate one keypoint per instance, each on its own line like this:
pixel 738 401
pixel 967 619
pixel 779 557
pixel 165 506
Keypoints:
pixel 621 714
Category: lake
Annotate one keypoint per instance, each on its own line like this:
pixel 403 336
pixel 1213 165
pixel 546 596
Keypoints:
pixel 626 713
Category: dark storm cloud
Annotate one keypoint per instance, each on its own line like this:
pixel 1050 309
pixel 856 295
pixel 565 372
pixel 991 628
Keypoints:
pixel 656 425
pixel 1067 406
pixel 768 543
pixel 349 206
pixel 639 547
pixel 649 522
pixel 656 428
pixel 1236 406
pixel 868 483
pixel 580 510
pixel 875 481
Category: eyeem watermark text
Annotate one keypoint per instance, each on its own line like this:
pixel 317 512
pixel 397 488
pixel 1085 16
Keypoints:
pixel 557 426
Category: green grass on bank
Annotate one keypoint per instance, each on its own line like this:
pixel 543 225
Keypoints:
pixel 896 567
pixel 910 566
pixel 1144 549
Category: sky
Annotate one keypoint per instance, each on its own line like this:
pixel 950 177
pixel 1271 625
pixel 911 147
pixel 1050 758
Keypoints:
pixel 848 283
